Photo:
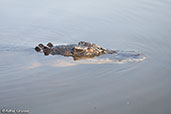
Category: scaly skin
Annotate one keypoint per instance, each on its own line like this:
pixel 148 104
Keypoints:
pixel 81 50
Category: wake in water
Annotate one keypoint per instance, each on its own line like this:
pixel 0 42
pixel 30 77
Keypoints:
pixel 87 53
pixel 119 57
pixel 37 60
pixel 82 50
pixel 123 57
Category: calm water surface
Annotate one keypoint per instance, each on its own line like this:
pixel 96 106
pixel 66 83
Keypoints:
pixel 43 85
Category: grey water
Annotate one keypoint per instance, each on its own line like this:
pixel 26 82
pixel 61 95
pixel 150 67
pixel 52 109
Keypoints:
pixel 55 85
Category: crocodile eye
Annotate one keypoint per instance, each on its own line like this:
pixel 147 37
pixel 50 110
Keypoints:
pixel 90 50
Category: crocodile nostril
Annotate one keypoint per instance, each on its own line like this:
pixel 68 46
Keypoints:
pixel 41 45
pixel 50 45
pixel 37 48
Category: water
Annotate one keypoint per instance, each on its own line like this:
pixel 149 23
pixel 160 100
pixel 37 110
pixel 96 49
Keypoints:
pixel 29 80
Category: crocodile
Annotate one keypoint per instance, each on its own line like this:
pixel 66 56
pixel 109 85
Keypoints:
pixel 82 50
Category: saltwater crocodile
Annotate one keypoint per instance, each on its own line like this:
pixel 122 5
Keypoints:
pixel 78 51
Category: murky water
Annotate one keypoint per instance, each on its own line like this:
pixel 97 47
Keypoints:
pixel 59 85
